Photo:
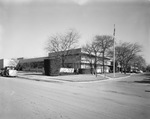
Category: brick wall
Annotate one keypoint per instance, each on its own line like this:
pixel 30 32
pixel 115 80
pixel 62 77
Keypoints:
pixel 52 67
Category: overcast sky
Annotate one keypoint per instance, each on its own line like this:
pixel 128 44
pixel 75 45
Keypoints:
pixel 25 25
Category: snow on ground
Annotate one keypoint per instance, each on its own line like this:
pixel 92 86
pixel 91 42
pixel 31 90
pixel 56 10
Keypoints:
pixel 104 99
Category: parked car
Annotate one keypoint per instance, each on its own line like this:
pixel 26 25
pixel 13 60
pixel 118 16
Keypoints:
pixel 8 71
pixel 139 71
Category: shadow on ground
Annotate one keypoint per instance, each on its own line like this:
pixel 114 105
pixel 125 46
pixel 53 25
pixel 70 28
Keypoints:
pixel 38 74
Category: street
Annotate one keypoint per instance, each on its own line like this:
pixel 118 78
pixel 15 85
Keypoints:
pixel 122 98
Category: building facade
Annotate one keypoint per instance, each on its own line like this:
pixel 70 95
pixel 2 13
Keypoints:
pixel 31 64
pixel 74 58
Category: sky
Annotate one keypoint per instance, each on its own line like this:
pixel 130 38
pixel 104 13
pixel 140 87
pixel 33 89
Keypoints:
pixel 26 25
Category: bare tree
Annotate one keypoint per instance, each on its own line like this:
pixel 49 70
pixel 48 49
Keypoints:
pixel 60 44
pixel 126 52
pixel 96 52
pixel 148 68
pixel 105 42
pixel 13 62
pixel 88 49
pixel 93 51
pixel 138 61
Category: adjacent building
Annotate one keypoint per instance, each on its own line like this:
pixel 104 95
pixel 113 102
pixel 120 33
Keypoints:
pixel 31 64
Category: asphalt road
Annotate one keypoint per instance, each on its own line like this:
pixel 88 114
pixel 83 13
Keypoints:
pixel 125 98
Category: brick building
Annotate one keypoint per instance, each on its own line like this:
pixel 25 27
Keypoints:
pixel 31 64
pixel 74 58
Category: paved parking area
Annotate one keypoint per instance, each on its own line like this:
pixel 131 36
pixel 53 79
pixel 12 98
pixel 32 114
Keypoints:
pixel 121 98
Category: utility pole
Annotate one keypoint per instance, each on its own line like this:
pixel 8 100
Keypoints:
pixel 114 52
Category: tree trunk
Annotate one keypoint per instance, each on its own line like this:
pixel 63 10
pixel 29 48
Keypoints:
pixel 63 61
pixel 91 68
pixel 125 68
pixel 103 63
pixel 95 66
pixel 121 68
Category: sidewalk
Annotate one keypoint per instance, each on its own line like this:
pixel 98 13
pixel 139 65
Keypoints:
pixel 69 78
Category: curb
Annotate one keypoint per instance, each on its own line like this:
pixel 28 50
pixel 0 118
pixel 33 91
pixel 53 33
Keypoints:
pixel 59 80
